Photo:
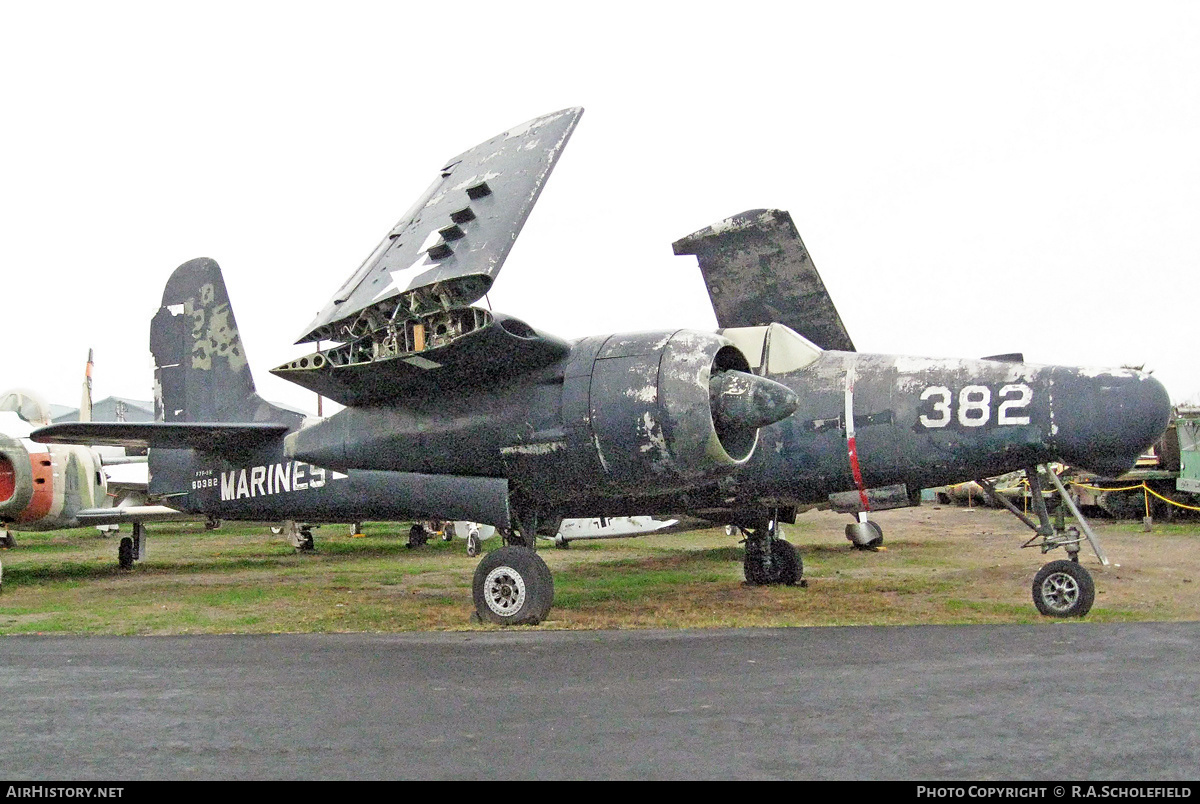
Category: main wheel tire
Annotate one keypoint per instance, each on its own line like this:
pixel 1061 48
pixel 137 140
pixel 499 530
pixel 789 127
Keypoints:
pixel 417 536
pixel 125 553
pixel 513 586
pixel 788 564
pixel 754 564
pixel 1063 589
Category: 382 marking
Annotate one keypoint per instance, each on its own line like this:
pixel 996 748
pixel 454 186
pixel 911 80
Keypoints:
pixel 972 405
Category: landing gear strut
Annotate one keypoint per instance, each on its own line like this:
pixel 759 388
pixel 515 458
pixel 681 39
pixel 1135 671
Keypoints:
pixel 1061 588
pixel 769 560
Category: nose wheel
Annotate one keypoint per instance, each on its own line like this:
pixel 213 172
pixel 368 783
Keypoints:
pixel 1063 589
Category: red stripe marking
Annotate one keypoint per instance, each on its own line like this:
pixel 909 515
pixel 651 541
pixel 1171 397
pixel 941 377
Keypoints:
pixel 854 467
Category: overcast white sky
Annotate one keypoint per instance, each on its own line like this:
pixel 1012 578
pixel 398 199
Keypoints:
pixel 970 178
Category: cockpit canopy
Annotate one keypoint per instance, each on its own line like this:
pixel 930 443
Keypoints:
pixel 26 404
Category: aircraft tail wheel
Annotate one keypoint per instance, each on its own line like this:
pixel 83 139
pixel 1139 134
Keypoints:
pixel 125 553
pixel 1063 589
pixel 473 544
pixel 513 586
pixel 865 535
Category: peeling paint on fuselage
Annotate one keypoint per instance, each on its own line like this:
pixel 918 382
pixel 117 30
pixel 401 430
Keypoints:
pixel 978 418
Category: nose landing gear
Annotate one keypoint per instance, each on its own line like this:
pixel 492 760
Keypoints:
pixel 1061 588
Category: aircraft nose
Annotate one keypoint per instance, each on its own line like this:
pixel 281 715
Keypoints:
pixel 1103 419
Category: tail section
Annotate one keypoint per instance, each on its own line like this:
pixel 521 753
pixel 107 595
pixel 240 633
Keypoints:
pixel 200 372
pixel 200 368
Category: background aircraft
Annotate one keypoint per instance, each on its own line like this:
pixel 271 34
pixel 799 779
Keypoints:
pixel 54 487
pixel 451 406
pixel 51 487
pixel 42 487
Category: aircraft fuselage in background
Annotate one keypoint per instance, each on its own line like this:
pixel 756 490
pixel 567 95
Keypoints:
pixel 43 487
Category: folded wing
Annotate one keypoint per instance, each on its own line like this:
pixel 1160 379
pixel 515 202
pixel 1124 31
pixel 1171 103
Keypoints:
pixel 447 249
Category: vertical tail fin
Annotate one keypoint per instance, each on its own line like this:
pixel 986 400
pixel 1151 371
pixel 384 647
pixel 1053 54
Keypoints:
pixel 200 368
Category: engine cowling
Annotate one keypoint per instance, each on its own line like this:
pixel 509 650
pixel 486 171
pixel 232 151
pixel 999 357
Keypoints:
pixel 16 479
pixel 661 411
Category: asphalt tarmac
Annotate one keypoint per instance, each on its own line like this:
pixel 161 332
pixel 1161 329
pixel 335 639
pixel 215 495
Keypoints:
pixel 1056 701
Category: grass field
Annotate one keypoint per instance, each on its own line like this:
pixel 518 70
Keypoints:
pixel 941 565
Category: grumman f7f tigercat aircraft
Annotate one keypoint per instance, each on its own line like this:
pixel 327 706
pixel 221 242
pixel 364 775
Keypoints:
pixel 461 413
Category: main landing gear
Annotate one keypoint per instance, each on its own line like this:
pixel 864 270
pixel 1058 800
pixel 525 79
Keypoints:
pixel 1061 588
pixel 132 548
pixel 300 534
pixel 769 559
pixel 513 585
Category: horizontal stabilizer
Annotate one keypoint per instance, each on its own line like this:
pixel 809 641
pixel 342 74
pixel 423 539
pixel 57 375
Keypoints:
pixel 447 249
pixel 218 438
pixel 758 272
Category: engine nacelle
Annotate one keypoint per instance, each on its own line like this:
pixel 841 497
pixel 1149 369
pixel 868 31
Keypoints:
pixel 657 412
pixel 16 479
pixel 634 415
